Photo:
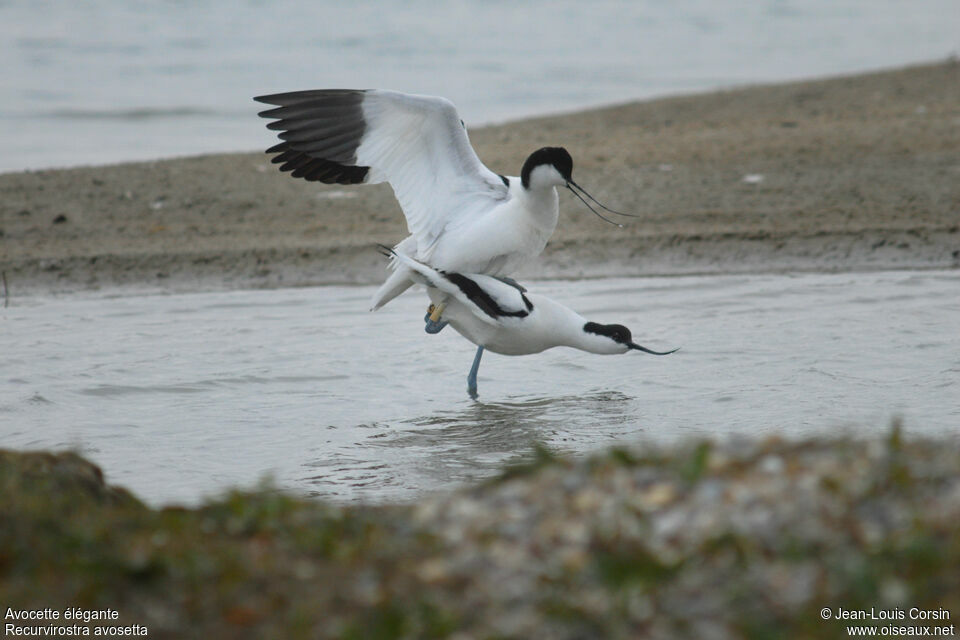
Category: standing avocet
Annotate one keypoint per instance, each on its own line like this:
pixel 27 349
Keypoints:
pixel 461 216
pixel 506 319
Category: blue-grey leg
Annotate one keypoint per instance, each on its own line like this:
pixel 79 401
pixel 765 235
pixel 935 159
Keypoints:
pixel 434 326
pixel 472 377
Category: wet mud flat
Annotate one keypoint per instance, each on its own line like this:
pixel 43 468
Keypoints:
pixel 858 172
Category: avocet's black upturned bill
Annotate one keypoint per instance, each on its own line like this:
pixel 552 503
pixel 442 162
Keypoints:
pixel 506 319
pixel 461 216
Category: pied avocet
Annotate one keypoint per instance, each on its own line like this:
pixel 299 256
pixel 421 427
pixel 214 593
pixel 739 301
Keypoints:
pixel 462 217
pixel 506 319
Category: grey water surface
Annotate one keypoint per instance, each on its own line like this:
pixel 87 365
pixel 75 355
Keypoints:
pixel 180 396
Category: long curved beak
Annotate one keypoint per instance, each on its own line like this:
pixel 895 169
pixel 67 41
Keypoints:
pixel 572 185
pixel 634 345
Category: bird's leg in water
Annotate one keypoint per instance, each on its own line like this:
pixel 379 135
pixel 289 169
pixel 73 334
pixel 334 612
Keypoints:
pixel 472 377
pixel 433 318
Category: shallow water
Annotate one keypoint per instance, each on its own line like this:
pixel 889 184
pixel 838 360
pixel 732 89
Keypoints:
pixel 104 81
pixel 181 396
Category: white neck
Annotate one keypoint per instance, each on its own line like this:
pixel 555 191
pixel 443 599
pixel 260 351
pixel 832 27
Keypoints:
pixel 540 202
pixel 567 328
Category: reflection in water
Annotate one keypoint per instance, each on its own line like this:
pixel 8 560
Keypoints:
pixel 486 427
pixel 468 444
pixel 499 430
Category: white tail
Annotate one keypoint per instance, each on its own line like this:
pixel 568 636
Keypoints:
pixel 398 282
pixel 430 277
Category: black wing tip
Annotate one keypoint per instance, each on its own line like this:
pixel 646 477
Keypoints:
pixel 317 155
pixel 270 114
pixel 302 165
pixel 281 99
pixel 279 148
pixel 288 97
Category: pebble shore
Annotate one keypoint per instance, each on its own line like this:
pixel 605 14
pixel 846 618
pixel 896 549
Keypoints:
pixel 704 540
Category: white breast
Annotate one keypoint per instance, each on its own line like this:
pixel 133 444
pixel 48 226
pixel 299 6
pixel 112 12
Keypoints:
pixel 501 240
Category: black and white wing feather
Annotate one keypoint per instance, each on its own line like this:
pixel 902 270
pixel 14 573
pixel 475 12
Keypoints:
pixel 416 143
pixel 491 300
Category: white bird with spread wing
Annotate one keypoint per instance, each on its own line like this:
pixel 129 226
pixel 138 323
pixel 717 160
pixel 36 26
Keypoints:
pixel 461 216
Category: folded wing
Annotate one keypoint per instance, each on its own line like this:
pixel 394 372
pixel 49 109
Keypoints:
pixel 491 300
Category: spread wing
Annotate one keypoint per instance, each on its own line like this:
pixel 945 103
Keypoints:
pixel 416 143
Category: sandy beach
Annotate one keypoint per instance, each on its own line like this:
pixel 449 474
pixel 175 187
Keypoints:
pixel 849 173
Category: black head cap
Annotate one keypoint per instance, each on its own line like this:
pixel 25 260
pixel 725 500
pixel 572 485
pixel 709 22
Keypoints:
pixel 621 335
pixel 616 332
pixel 556 156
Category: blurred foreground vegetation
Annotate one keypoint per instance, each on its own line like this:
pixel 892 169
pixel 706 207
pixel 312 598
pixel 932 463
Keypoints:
pixel 736 540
